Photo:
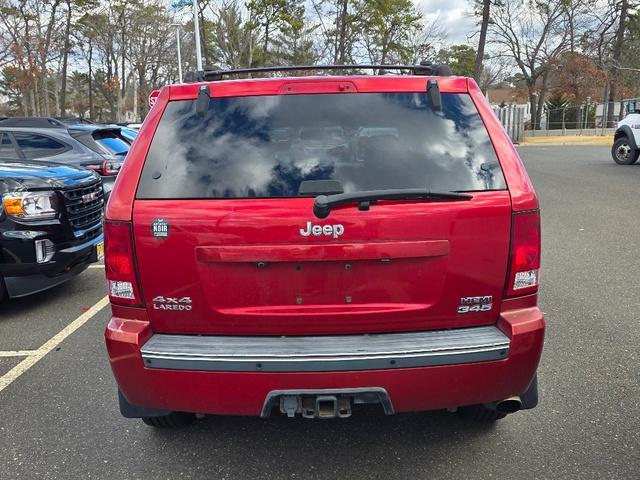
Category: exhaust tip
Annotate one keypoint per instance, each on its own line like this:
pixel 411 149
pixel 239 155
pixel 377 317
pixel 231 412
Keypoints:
pixel 509 405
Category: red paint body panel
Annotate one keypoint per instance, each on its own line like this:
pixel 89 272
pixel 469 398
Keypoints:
pixel 404 266
pixel 452 250
pixel 411 389
pixel 523 196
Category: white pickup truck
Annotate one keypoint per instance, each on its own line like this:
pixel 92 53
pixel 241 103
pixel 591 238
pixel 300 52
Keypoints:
pixel 626 141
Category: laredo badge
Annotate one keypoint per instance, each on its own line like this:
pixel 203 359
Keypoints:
pixel 160 228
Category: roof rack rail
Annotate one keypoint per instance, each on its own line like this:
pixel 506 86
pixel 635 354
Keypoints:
pixel 424 68
pixel 31 122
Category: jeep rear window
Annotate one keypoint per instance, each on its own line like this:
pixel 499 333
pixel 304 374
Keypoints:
pixel 265 146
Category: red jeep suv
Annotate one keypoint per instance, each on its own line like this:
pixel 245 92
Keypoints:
pixel 307 244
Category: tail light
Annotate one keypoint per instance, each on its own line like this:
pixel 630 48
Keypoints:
pixel 110 168
pixel 525 254
pixel 105 168
pixel 120 268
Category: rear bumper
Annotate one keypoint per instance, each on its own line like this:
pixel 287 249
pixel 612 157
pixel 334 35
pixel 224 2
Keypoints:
pixel 325 353
pixel 439 372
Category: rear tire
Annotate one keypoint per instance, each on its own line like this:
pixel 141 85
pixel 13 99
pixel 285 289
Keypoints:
pixel 481 413
pixel 623 153
pixel 172 420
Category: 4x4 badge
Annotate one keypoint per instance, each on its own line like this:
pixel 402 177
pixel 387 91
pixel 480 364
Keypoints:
pixel 172 303
pixel 160 228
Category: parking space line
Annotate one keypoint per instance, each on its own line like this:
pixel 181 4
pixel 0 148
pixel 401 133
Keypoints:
pixel 96 266
pixel 50 344
pixel 18 353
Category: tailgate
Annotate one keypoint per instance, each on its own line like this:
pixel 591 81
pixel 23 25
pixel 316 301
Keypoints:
pixel 227 241
pixel 247 267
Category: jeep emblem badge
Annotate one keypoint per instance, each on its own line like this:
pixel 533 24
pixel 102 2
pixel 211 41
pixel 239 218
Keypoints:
pixel 334 231
pixel 160 228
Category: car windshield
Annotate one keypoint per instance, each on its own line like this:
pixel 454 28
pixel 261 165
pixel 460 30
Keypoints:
pixel 265 146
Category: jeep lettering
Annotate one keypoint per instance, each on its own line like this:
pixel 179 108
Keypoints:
pixel 334 231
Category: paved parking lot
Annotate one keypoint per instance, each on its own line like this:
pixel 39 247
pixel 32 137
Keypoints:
pixel 59 418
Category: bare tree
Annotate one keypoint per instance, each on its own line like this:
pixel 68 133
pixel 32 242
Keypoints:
pixel 616 55
pixel 427 40
pixel 494 71
pixel 341 23
pixel 65 59
pixel 533 36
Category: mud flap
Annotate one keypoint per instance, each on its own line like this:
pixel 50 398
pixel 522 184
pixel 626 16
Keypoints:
pixel 129 410
pixel 530 397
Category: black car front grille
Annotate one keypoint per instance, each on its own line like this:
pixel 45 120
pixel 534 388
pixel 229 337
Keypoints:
pixel 84 205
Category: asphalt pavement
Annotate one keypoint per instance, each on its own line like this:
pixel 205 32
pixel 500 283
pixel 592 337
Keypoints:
pixel 59 418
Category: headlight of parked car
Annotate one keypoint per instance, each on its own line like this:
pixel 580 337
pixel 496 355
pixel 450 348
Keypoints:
pixel 30 205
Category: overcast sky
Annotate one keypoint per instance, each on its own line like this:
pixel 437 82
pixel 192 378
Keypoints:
pixel 455 15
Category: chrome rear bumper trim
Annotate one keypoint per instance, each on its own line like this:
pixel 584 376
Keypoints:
pixel 325 353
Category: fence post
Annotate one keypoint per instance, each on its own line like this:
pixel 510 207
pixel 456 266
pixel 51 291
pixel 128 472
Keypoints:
pixel 580 120
pixel 510 117
pixel 519 118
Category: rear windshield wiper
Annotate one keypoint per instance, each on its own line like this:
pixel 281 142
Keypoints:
pixel 323 204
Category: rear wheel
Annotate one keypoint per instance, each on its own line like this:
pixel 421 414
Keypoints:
pixel 481 413
pixel 623 153
pixel 172 420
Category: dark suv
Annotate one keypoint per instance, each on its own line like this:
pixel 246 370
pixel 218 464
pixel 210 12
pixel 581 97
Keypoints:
pixel 305 245
pixel 50 225
pixel 95 147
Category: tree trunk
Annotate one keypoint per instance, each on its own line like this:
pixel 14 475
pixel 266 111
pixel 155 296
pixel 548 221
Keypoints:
pixel 621 112
pixel 142 89
pixel 342 38
pixel 44 94
pixel 91 117
pixel 266 42
pixel 486 5
pixel 135 98
pixel 541 96
pixel 65 57
pixel 25 104
pixel 539 110
pixel 34 104
pixel 578 118
pixel 533 106
pixel 123 89
pixel 616 56
pixel 203 40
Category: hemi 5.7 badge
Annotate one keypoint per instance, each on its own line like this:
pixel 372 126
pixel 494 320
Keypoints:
pixel 475 304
